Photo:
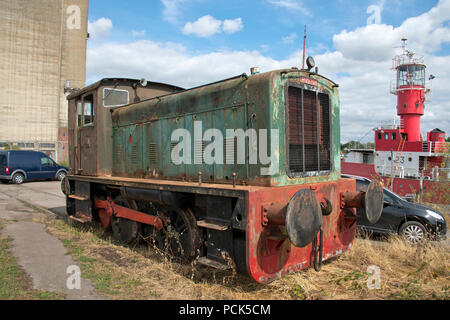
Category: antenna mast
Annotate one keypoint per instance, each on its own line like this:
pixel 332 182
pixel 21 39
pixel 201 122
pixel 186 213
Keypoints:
pixel 304 49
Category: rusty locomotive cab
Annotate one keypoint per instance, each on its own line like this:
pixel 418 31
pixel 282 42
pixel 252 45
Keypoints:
pixel 239 173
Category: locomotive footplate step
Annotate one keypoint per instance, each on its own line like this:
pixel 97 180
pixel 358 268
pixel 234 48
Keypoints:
pixel 213 225
pixel 76 197
pixel 78 219
pixel 213 264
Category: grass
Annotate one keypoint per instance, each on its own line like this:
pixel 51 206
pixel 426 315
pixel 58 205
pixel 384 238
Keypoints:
pixel 118 272
pixel 14 282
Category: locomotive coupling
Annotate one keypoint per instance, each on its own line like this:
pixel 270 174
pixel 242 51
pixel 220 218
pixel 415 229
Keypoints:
pixel 303 215
pixel 371 201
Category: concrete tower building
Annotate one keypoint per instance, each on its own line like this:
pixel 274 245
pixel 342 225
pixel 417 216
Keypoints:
pixel 42 56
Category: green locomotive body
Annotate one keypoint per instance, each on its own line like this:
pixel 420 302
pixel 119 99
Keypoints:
pixel 239 109
pixel 243 172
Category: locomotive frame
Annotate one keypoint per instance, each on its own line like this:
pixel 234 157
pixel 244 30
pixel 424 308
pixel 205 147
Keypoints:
pixel 222 215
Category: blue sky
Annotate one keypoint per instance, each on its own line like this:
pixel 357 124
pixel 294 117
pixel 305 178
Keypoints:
pixel 265 22
pixel 191 42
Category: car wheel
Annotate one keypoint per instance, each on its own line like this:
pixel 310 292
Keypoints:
pixel 18 178
pixel 61 175
pixel 413 232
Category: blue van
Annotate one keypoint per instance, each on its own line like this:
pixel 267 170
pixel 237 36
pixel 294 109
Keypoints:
pixel 20 166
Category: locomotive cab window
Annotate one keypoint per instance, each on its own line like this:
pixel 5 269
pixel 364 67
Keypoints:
pixel 115 97
pixel 79 113
pixel 88 110
pixel 308 132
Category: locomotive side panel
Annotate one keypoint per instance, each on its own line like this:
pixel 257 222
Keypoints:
pixel 175 131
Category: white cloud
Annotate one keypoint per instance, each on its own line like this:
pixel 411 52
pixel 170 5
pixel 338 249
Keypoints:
pixel 360 63
pixel 99 29
pixel 208 26
pixel 264 47
pixel 138 33
pixel 290 38
pixel 205 26
pixel 375 42
pixel 292 5
pixel 365 55
pixel 232 26
pixel 171 63
pixel 288 4
pixel 171 10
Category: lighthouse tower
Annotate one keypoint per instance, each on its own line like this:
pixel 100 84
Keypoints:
pixel 408 162
pixel 410 91
pixel 401 150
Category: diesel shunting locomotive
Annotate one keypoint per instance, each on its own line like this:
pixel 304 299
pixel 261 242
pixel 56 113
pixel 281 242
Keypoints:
pixel 241 173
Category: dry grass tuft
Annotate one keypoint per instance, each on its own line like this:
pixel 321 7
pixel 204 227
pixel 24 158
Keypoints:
pixel 142 272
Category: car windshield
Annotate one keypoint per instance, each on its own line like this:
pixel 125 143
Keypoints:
pixel 392 194
pixel 362 185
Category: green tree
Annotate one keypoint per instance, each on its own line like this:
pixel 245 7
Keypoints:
pixel 7 146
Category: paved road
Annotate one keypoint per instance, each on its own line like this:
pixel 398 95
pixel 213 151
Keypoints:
pixel 41 255
pixel 45 195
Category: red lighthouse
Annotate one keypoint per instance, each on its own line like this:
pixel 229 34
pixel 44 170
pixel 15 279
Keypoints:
pixel 410 91
pixel 407 162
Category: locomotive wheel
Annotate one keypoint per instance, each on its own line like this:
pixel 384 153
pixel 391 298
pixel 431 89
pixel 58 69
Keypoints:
pixel 125 231
pixel 180 236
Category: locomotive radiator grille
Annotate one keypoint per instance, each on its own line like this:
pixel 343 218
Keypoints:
pixel 325 134
pixel 199 150
pixel 152 154
pixel 308 129
pixel 134 156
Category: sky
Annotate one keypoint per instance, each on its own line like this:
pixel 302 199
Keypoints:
pixel 193 42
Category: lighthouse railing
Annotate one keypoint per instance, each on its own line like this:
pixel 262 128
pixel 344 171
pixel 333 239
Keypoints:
pixel 405 59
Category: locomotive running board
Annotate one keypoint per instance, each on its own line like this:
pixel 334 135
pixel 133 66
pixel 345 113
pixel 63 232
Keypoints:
pixel 213 264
